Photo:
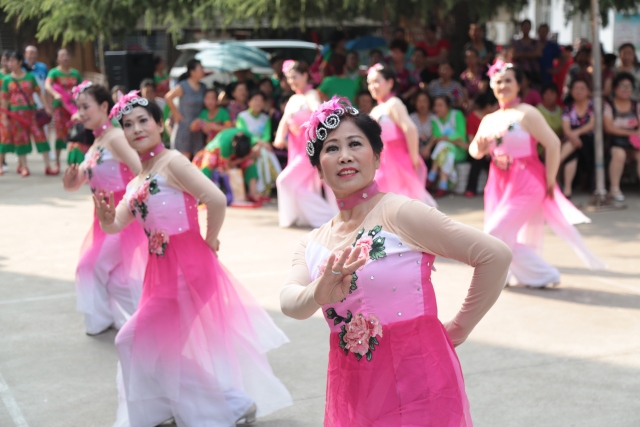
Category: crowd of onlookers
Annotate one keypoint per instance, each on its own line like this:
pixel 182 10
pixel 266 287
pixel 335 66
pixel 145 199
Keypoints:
pixel 445 102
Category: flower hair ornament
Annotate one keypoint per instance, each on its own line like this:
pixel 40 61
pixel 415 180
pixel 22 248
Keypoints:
pixel 498 69
pixel 326 118
pixel 77 90
pixel 288 65
pixel 126 103
pixel 374 68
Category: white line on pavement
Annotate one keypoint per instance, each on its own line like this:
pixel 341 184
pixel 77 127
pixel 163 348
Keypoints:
pixel 40 298
pixel 10 403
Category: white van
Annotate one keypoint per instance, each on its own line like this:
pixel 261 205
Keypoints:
pixel 288 49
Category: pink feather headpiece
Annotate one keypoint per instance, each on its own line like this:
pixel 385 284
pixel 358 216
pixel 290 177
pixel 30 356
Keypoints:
pixel 125 104
pixel 77 90
pixel 326 118
pixel 498 69
pixel 376 67
pixel 288 65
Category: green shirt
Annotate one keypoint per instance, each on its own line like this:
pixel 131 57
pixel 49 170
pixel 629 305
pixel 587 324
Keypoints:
pixel 454 127
pixel 553 118
pixel 341 86
pixel 14 96
pixel 66 80
pixel 222 116
pixel 224 141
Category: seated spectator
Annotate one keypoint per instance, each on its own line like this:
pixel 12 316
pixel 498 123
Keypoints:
pixel 257 124
pixel 472 75
pixel 450 134
pixel 485 49
pixel 338 84
pixel 629 64
pixel 549 51
pixel 420 72
pixel 577 125
pixel 528 94
pixel 444 85
pixel 213 119
pixel 265 85
pixel 353 69
pixel 422 119
pixel 406 85
pixel 621 120
pixel 238 94
pixel 375 57
pixel 549 108
pixel 437 50
pixel 484 104
pixel 364 102
pixel 579 68
pixel 526 52
pixel 608 72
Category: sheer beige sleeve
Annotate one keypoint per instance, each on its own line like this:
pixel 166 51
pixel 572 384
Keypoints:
pixel 296 297
pixel 426 229
pixel 123 152
pixel 181 174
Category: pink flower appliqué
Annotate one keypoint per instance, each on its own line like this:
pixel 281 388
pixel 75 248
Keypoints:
pixel 94 160
pixel 365 247
pixel 158 242
pixel 359 331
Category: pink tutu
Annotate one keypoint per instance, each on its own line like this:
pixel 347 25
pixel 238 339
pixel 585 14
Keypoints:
pixel 397 174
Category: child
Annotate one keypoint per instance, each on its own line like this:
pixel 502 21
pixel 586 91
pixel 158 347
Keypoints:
pixel 257 124
pixel 213 118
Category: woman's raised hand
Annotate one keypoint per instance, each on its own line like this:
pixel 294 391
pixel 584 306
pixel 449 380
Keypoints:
pixel 105 210
pixel 335 281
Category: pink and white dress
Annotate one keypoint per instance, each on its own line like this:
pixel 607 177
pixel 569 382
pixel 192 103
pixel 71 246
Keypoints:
pixel 111 268
pixel 516 208
pixel 300 199
pixel 391 361
pixel 195 350
pixel 397 174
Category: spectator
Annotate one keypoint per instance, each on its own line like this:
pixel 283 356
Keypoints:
pixel 579 68
pixel 160 77
pixel 446 86
pixel 406 85
pixel 484 104
pixel 608 72
pixel 337 44
pixel 265 85
pixel 190 90
pixel 38 69
pixel 549 108
pixel 375 57
pixel 420 72
pixel 400 34
pixel 485 49
pixel 338 84
pixel 117 91
pixel 422 119
pixel 528 94
pixel 213 119
pixel 472 75
pixel 629 64
pixel 239 96
pixel 549 51
pixel 449 131
pixel 526 52
pixel 560 70
pixel 364 102
pixel 437 50
pixel 353 69
pixel 621 121
pixel 577 125
pixel 148 90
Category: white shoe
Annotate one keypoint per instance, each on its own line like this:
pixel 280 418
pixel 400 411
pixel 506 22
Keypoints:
pixel 618 197
pixel 249 417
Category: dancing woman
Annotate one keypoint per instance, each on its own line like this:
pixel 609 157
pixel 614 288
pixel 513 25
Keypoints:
pixel 402 170
pixel 391 361
pixel 521 193
pixel 111 268
pixel 195 348
pixel 300 200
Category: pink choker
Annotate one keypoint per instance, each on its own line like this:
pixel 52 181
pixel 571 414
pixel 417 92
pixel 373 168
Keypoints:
pixel 102 129
pixel 388 97
pixel 151 154
pixel 510 104
pixel 305 90
pixel 361 196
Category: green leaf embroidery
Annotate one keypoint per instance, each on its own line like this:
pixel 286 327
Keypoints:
pixel 353 286
pixel 331 313
pixel 153 187
pixel 360 234
pixel 375 230
pixel 358 356
pixel 369 356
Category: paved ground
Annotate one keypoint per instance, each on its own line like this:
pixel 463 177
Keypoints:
pixel 562 357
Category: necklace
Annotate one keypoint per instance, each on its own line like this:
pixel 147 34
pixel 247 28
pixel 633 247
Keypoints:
pixel 510 104
pixel 358 197
pixel 151 154
pixel 102 129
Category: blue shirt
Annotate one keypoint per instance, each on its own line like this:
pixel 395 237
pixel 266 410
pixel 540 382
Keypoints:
pixel 40 71
pixel 550 52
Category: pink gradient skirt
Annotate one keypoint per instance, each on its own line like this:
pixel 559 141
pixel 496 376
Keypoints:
pixel 413 379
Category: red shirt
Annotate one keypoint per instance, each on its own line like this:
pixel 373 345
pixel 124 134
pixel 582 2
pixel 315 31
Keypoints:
pixel 559 78
pixel 473 123
pixel 434 50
